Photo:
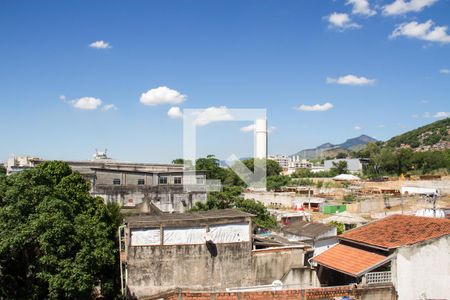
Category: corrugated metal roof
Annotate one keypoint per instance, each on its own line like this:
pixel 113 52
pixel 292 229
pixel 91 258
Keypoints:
pixel 308 229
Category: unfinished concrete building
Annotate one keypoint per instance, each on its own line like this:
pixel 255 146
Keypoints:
pixel 133 185
pixel 209 250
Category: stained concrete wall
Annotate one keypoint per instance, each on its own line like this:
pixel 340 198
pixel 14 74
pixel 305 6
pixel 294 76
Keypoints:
pixel 154 269
pixel 270 265
pixel 423 270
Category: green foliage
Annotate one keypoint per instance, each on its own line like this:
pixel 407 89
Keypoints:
pixel 349 198
pixel 57 241
pixel 340 228
pixel 384 160
pixel 2 170
pixel 275 182
pixel 230 197
pixel 303 182
pixel 414 138
pixel 306 173
pixel 178 161
pixel 339 167
pixel 273 168
pixel 263 219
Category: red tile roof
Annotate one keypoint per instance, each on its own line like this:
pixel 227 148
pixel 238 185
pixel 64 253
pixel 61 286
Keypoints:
pixel 349 260
pixel 398 230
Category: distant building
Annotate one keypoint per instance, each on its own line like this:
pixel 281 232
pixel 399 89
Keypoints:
pixel 354 165
pixel 19 163
pixel 407 252
pixel 282 160
pixel 166 186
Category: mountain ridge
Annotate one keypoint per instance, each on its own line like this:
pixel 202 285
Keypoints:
pixel 329 149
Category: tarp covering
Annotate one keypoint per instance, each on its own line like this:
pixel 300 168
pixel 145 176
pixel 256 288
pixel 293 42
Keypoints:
pixel 226 233
pixel 144 237
pixel 229 233
pixel 184 236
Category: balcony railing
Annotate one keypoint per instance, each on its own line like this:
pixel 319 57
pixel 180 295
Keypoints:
pixel 378 277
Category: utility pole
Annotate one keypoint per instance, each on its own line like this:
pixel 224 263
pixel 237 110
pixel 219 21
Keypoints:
pixel 309 204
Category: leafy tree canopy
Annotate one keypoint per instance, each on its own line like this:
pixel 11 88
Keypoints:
pixel 57 241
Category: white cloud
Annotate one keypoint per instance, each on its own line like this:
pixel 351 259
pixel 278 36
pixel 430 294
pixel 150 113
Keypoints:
pixel 341 21
pixel 427 115
pixel 400 7
pixel 357 127
pixel 315 107
pixel 422 31
pixel 162 95
pixel 213 114
pixel 251 128
pixel 62 98
pixel 351 80
pixel 107 107
pixel 381 126
pixel 100 45
pixel 175 113
pixel 86 103
pixel 442 114
pixel 361 7
pixel 444 71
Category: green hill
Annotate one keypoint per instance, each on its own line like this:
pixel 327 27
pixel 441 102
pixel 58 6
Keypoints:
pixel 434 136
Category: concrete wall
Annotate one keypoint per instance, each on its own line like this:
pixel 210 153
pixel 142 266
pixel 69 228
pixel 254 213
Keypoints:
pixel 154 269
pixel 302 277
pixel 423 271
pixel 270 198
pixel 272 264
pixel 157 269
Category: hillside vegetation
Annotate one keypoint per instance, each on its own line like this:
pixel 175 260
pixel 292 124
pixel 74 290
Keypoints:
pixel 434 136
pixel 420 151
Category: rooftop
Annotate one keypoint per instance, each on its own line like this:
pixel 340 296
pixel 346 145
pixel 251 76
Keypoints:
pixel 222 215
pixel 398 230
pixel 308 229
pixel 349 260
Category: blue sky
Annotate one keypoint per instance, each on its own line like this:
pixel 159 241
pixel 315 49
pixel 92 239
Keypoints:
pixel 72 73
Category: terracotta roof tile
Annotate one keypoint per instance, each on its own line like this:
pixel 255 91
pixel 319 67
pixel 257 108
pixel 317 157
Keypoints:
pixel 398 230
pixel 349 260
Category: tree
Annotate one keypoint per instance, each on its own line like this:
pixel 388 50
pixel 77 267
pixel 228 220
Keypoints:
pixel 231 197
pixel 277 181
pixel 178 161
pixel 57 240
pixel 273 168
pixel 2 170
pixel 339 167
pixel 341 155
pixel 339 226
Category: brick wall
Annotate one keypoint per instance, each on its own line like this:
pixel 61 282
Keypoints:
pixel 363 293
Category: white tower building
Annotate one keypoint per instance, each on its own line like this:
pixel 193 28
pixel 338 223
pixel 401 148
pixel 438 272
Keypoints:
pixel 261 138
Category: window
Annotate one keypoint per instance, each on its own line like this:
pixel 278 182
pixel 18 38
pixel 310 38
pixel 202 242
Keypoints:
pixel 116 181
pixel 200 180
pixel 162 179
pixel 141 181
pixel 177 180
